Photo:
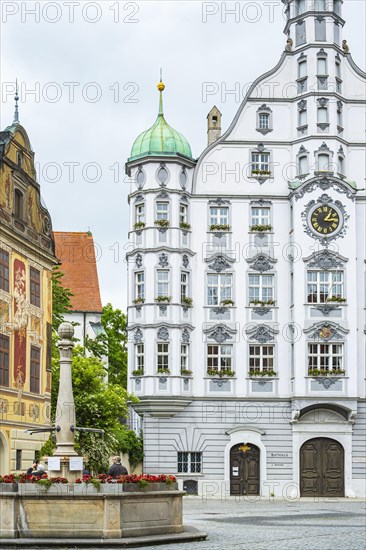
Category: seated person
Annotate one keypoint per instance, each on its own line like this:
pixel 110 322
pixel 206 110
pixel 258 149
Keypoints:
pixel 41 469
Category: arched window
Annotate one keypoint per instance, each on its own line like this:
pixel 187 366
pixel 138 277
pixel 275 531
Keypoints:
pixel 264 119
pixel 323 162
pixel 18 204
pixel 303 165
pixel 300 7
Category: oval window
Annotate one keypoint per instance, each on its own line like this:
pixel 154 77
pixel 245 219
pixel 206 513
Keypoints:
pixel 140 178
pixel 183 178
pixel 163 175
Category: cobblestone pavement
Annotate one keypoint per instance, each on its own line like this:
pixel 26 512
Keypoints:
pixel 275 524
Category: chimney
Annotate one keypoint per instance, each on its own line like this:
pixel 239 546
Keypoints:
pixel 213 125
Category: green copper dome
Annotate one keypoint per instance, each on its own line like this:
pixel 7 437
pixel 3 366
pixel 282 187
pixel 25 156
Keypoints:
pixel 160 139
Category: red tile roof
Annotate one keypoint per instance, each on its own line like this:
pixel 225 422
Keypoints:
pixel 78 263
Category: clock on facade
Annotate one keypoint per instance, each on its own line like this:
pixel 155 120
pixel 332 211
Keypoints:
pixel 325 219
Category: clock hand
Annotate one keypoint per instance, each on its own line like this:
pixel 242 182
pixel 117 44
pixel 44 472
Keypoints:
pixel 328 218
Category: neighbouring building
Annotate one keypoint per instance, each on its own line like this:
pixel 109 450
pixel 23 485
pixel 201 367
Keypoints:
pixel 246 282
pixel 76 253
pixel 26 261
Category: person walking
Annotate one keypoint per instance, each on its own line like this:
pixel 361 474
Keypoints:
pixel 117 469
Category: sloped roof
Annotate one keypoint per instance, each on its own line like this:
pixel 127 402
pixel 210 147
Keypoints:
pixel 78 263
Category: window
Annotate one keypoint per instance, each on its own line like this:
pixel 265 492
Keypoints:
pixel 4 360
pixel 139 357
pixel 300 33
pixel 263 121
pixel 19 159
pixel 323 163
pixel 184 357
pixel 320 29
pixel 4 270
pixel 35 369
pixel 323 285
pixel 302 69
pixel 325 357
pixel 162 210
pixel 219 357
pixel 182 213
pixel 341 165
pixel 337 6
pixel 260 216
pixel 184 285
pixel 322 66
pixel 189 463
pixel 18 459
pixel 18 204
pixel 35 287
pixel 319 5
pixel 162 282
pixel 300 7
pixel 140 285
pixel 261 358
pixel 219 216
pixel 163 356
pixel 338 70
pixel 322 115
pixel 260 161
pixel 339 114
pixel 219 288
pixel 140 213
pixel 303 118
pixel 303 165
pixel 261 288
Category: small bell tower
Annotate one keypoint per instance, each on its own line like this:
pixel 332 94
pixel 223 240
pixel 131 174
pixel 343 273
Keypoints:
pixel 213 125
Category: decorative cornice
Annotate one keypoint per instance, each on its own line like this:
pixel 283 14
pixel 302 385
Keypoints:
pixel 261 262
pixel 325 259
pixel 326 332
pixel 220 262
pixel 220 333
pixel 261 333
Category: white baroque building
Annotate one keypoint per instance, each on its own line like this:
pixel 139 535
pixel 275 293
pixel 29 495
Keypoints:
pixel 247 275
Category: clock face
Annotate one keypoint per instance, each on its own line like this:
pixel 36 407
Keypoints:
pixel 325 220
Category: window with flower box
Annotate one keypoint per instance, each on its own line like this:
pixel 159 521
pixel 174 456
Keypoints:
pixel 140 286
pixel 163 283
pixel 140 213
pixel 162 211
pixel 189 462
pixel 184 357
pixel 184 286
pixel 325 358
pixel 219 357
pixel 323 286
pixel 35 287
pixel 260 162
pixel 261 359
pixel 219 216
pixel 260 216
pixel 183 213
pixel 261 288
pixel 4 360
pixel 140 358
pixel 4 270
pixel 219 288
pixel 163 357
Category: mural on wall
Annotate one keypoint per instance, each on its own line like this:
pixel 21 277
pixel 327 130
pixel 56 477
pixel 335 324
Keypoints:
pixel 20 326
pixel 5 192
pixel 33 211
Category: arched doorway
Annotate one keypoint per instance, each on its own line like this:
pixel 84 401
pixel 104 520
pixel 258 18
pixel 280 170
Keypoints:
pixel 322 468
pixel 244 469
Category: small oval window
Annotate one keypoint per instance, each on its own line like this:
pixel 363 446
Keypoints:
pixel 183 178
pixel 163 175
pixel 140 178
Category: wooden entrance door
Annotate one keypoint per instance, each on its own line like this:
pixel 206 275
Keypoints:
pixel 322 468
pixel 244 470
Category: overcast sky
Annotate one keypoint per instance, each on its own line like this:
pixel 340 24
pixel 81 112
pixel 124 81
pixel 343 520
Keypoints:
pixel 93 69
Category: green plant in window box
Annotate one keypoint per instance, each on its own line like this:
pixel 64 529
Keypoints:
pixel 320 372
pixel 227 302
pixel 219 227
pixel 261 227
pixel 162 223
pixel 163 371
pixel 261 172
pixel 220 373
pixel 185 372
pixel 185 225
pixel 139 225
pixel 261 373
pixel 163 299
pixel 138 372
pixel 337 299
pixel 186 301
pixel 138 301
pixel 263 302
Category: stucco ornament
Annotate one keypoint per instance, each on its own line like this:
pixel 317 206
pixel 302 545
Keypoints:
pixel 138 336
pixel 220 333
pixel 261 333
pixel 185 260
pixel 325 260
pixel 261 262
pixel 163 260
pixel 185 336
pixel 326 331
pixel 138 261
pixel 21 315
pixel 163 334
pixel 324 184
pixel 219 264
pixel 310 208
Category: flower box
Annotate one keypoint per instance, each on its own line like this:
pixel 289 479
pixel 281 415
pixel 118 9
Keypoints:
pixel 8 487
pixel 164 299
pixel 261 303
pixel 137 372
pixel 220 373
pixel 163 372
pixel 186 372
pixel 261 172
pixel 150 487
pixel 184 225
pixel 262 374
pixel 227 303
pixel 138 301
pixel 219 227
pixel 317 373
pixel 260 228
pixel 139 225
pixel 162 223
pixel 336 299
pixel 186 301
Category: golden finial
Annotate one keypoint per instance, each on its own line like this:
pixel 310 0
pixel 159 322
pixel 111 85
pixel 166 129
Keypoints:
pixel 161 85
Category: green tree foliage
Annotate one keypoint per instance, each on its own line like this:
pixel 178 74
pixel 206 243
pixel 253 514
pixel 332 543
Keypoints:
pixel 113 344
pixel 60 298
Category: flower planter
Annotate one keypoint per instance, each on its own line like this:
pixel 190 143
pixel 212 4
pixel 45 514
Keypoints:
pixel 150 487
pixel 8 487
pixel 86 489
pixel 35 489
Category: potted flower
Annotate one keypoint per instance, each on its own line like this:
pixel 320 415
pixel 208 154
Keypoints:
pixel 139 225
pixel 319 372
pixel 219 227
pixel 138 372
pixel 262 302
pixel 220 373
pixel 148 482
pixel 163 299
pixel 337 299
pixel 186 301
pixel 227 302
pixel 254 373
pixel 260 227
pixel 185 372
pixel 164 371
pixel 8 484
pixel 185 225
pixel 258 172
pixel 138 301
pixel 162 223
